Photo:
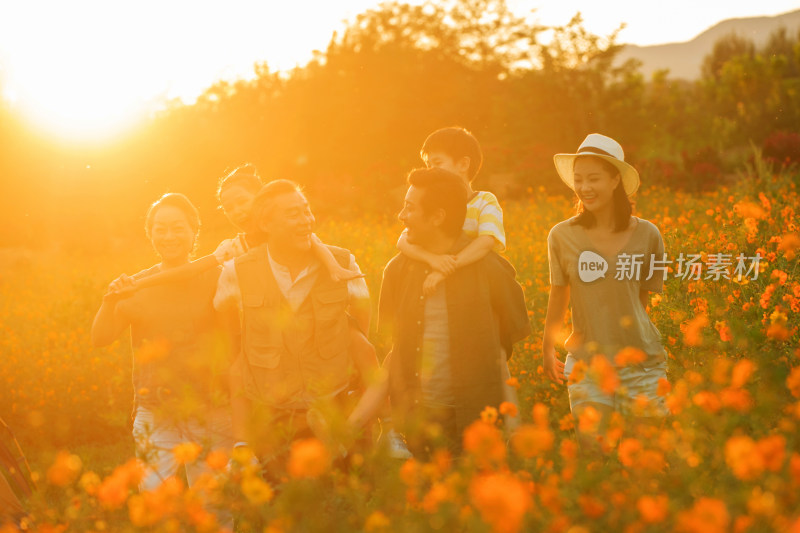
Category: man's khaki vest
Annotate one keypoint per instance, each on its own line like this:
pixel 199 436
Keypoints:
pixel 292 358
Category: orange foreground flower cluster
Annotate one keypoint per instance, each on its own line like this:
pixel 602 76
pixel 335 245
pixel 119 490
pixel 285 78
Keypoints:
pixel 727 459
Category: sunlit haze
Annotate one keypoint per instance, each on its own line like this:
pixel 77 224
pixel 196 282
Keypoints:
pixel 89 70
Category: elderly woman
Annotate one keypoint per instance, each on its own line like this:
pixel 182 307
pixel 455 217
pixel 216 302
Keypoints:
pixel 179 365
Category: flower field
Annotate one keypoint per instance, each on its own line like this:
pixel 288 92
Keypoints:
pixel 727 459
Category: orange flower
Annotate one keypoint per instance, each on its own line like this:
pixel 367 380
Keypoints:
pixel 664 387
pixel 741 455
pixel 742 372
pixel 693 330
pixel 778 331
pixel 793 382
pixel 773 451
pixel 502 501
pixel 708 515
pixel 736 399
pixel 604 373
pixel 789 245
pixel 513 382
pixel 678 398
pixel 653 509
pixel 484 442
pixel 629 356
pixel 114 490
pixel 509 409
pixel 578 372
pixel 591 506
pixel 628 451
pixel 541 414
pixel 489 414
pixel 64 470
pixel 724 331
pixel 650 460
pixel 411 473
pixel 438 494
pixel 568 450
pixel 531 440
pixel 708 401
pixel 747 209
pixel 308 458
pixel 589 420
pixel 217 459
pixel 186 452
pixel 794 468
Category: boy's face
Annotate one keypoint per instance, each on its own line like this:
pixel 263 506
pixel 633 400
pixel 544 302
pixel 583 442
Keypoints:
pixel 459 167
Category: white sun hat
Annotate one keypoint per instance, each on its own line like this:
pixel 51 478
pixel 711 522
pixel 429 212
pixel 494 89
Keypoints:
pixel 604 148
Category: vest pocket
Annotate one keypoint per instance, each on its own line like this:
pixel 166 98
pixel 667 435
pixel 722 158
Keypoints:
pixel 331 319
pixel 262 340
pixel 263 356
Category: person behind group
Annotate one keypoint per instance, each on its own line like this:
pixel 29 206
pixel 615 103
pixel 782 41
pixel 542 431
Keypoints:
pixel 456 150
pixel 448 356
pixel 180 363
pixel 608 307
pixel 296 355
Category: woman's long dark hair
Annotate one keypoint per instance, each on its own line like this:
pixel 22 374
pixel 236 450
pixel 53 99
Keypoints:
pixel 623 207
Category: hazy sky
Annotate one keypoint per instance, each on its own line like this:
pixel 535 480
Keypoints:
pixel 87 68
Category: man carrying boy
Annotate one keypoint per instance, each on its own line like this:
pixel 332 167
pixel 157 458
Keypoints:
pixel 448 348
pixel 456 150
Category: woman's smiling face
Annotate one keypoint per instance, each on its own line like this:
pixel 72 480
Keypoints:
pixel 172 235
pixel 594 184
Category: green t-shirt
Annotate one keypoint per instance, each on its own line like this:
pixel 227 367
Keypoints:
pixel 607 314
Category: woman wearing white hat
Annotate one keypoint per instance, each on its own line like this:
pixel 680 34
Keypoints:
pixel 600 267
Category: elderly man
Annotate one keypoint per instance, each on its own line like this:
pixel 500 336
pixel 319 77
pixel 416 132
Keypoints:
pixel 448 356
pixel 293 371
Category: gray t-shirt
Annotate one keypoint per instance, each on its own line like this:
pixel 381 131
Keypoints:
pixel 607 314
pixel 435 372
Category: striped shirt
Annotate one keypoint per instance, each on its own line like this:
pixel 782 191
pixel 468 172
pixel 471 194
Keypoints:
pixel 485 217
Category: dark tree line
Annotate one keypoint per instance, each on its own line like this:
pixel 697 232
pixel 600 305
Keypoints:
pixel 348 125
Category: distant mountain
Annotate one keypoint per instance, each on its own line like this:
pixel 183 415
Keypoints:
pixel 684 59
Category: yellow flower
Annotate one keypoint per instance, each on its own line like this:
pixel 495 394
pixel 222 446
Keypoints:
pixel 376 521
pixel 256 490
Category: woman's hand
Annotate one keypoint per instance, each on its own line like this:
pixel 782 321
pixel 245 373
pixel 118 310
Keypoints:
pixel 122 287
pixel 339 273
pixel 553 367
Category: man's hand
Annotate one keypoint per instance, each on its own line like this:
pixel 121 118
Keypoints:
pixel 446 264
pixel 431 282
pixel 553 367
